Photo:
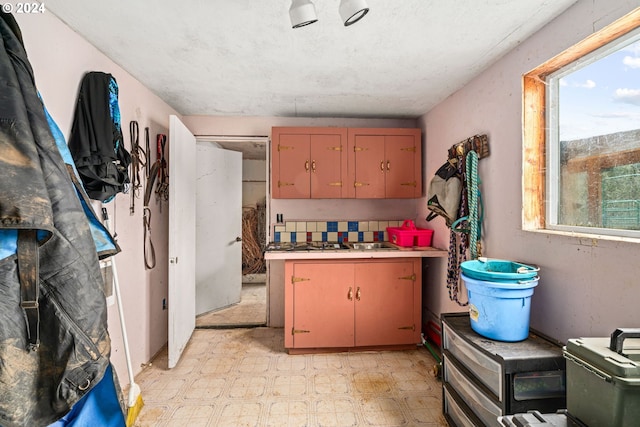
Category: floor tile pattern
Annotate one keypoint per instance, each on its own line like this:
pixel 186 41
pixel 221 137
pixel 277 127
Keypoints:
pixel 244 377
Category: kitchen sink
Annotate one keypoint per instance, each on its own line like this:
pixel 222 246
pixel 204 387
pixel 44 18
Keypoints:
pixel 306 246
pixel 314 246
pixel 369 246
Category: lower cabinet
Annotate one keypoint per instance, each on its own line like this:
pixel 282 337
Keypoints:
pixel 352 303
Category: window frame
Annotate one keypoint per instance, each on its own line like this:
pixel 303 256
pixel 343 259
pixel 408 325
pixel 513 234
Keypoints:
pixel 536 191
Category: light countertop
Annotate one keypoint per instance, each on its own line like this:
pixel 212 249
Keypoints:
pixel 399 252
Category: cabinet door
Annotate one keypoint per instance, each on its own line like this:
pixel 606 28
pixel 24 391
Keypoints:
pixel 387 302
pixel 369 166
pixel 402 177
pixel 290 165
pixel 319 305
pixel 384 163
pixel 327 169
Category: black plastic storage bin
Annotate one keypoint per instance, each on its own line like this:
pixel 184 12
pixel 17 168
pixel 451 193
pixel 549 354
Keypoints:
pixel 495 378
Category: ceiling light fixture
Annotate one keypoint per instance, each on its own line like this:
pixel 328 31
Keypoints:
pixel 301 13
pixel 351 11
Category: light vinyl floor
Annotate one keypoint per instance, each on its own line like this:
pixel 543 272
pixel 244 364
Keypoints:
pixel 251 310
pixel 244 377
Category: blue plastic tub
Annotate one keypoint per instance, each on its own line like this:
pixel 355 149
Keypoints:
pixel 500 310
pixel 498 270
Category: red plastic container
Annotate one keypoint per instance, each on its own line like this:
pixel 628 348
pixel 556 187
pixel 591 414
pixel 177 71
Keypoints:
pixel 409 235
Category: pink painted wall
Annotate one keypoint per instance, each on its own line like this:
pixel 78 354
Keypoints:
pixel 60 58
pixel 587 287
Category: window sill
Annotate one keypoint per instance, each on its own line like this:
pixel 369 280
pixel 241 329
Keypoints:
pixel 585 239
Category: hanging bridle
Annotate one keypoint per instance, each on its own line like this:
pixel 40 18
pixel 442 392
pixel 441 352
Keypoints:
pixel 137 156
pixel 162 190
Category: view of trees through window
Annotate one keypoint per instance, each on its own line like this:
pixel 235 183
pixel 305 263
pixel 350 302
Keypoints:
pixel 597 111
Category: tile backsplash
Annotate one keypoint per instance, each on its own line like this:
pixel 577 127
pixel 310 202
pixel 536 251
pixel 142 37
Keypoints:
pixel 333 231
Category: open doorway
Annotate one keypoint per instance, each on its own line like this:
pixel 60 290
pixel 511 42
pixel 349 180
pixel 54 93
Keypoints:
pixel 252 308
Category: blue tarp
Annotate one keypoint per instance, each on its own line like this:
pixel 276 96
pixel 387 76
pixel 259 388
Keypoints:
pixel 98 408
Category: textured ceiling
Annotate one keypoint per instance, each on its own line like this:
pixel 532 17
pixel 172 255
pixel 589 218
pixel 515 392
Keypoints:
pixel 242 58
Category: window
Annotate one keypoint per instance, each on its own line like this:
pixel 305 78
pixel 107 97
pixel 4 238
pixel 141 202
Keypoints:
pixel 582 137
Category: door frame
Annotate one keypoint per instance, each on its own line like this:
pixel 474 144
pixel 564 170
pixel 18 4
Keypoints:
pixel 255 139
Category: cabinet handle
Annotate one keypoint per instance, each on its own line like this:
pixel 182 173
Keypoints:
pixel 306 165
pixel 313 165
pixel 382 166
pixel 358 293
pixel 350 294
pixel 388 165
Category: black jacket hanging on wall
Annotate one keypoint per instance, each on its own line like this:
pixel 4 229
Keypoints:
pixel 96 141
pixel 49 360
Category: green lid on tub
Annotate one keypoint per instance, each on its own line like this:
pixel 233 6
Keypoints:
pixel 496 270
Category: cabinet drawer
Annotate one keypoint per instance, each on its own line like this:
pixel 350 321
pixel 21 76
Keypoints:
pixel 487 370
pixel 478 402
pixel 453 409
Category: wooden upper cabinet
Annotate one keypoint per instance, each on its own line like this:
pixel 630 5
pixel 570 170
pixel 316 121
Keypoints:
pixel 384 163
pixel 367 166
pixel 328 165
pixel 335 163
pixel 290 175
pixel 308 162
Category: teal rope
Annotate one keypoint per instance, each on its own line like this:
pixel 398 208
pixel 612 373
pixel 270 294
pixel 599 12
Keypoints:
pixel 432 351
pixel 472 195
